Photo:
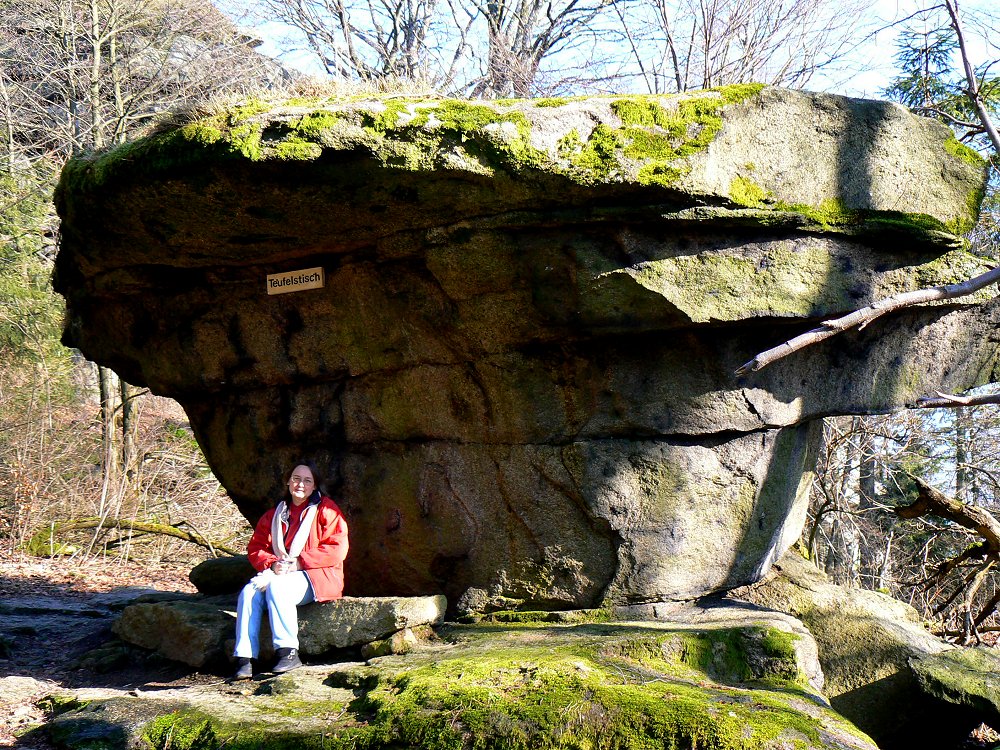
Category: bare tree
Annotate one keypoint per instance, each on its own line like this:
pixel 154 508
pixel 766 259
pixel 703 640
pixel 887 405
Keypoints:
pixel 693 44
pixel 81 74
pixel 520 35
pixel 480 48
pixel 78 75
pixel 374 39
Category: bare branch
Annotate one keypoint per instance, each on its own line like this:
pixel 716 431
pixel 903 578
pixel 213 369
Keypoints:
pixel 973 91
pixel 932 502
pixel 861 318
pixel 948 400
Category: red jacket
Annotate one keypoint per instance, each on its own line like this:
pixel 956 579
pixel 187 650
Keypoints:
pixel 322 559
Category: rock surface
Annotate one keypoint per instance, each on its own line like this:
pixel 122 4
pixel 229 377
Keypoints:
pixel 617 684
pixel 190 632
pixel 968 678
pixel 867 642
pixel 518 376
pixel 222 575
pixel 356 621
pixel 714 613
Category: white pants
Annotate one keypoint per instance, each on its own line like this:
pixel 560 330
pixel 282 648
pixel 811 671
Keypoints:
pixel 281 598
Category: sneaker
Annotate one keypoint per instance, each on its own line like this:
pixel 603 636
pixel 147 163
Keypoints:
pixel 288 659
pixel 244 671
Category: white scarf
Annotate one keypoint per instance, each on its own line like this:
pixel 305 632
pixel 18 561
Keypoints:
pixel 279 523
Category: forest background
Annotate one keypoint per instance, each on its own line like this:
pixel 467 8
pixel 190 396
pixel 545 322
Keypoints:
pixel 91 466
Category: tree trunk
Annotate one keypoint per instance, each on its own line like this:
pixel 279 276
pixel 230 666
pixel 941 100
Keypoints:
pixel 130 396
pixel 109 403
pixel 962 484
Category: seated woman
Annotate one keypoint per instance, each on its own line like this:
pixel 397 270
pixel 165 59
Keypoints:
pixel 298 549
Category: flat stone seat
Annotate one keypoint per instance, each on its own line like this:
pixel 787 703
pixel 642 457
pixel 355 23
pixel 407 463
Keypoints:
pixel 355 621
pixel 201 632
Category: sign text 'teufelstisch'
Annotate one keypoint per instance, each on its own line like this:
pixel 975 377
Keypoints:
pixel 296 281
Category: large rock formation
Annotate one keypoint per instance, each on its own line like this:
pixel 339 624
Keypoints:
pixel 518 374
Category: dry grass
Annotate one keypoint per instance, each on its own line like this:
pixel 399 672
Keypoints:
pixel 303 87
pixel 51 471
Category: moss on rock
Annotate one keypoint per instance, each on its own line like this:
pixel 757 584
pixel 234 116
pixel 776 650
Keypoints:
pixel 965 677
pixel 611 685
pixel 654 142
pixel 654 132
pixel 865 641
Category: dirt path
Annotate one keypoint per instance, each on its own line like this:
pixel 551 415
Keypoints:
pixel 54 611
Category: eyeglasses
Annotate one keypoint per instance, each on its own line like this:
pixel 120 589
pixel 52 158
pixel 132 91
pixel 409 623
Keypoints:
pixel 304 481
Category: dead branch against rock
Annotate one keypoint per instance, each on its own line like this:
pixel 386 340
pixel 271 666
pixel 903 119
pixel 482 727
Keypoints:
pixel 950 400
pixel 861 318
pixel 45 541
pixel 934 503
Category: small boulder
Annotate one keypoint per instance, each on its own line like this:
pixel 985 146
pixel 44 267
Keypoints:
pixel 222 575
pixel 355 621
pixel 193 633
pixel 400 642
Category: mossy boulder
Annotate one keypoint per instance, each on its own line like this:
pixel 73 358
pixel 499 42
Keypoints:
pixel 610 685
pixel 867 643
pixel 968 678
pixel 518 377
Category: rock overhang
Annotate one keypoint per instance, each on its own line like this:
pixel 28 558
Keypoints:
pixel 736 148
pixel 534 305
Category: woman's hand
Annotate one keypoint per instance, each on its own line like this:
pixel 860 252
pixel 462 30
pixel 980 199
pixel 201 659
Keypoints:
pixel 280 567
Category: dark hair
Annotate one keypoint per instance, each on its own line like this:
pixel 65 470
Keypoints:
pixel 319 488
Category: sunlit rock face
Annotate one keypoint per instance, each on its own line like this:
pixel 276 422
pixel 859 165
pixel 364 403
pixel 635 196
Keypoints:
pixel 518 372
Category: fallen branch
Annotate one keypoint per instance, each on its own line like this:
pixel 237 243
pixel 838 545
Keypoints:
pixel 969 630
pixel 43 541
pixel 861 318
pixel 944 569
pixel 931 502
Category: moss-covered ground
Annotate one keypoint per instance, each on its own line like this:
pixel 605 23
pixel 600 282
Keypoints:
pixel 535 685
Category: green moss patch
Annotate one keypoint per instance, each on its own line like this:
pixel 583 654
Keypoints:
pixel 655 136
pixel 746 192
pixel 789 280
pixel 662 132
pixel 513 687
